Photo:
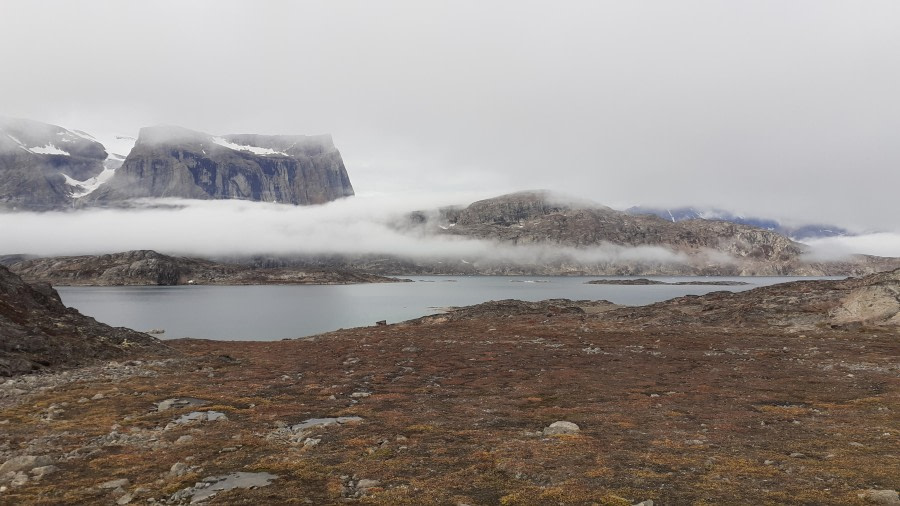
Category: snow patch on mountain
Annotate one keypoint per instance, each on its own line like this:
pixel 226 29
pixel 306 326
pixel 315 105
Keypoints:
pixel 256 150
pixel 49 149
pixel 82 188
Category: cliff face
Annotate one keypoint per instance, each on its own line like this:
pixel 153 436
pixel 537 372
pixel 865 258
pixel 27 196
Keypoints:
pixel 41 164
pixel 37 331
pixel 175 162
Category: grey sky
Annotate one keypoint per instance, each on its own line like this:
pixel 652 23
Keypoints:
pixel 776 108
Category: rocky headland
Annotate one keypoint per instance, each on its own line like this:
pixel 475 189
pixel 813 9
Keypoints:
pixel 786 394
pixel 147 267
pixel 38 332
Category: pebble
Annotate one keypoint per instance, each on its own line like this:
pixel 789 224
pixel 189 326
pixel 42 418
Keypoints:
pixel 184 439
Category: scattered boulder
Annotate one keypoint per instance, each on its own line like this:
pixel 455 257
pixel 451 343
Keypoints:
pixel 25 463
pixel 561 427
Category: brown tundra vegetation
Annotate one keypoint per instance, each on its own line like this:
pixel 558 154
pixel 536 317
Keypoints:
pixel 786 394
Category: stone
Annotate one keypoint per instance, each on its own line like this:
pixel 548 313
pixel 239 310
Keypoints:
pixel 180 402
pixel 360 395
pixel 366 484
pixel 561 427
pixel 25 463
pixel 125 499
pixel 885 497
pixel 40 472
pixel 178 469
pixel 112 484
pixel 184 439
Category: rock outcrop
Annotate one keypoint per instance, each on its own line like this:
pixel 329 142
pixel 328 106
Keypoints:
pixel 41 165
pixel 176 162
pixel 802 305
pixel 37 331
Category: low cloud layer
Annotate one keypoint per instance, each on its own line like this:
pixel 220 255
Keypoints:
pixel 884 244
pixel 358 226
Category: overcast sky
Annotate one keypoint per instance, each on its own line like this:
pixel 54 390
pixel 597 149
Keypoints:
pixel 777 108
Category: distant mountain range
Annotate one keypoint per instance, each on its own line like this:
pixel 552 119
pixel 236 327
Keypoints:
pixel 798 233
pixel 47 167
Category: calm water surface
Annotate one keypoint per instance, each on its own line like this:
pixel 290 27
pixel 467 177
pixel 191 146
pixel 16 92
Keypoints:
pixel 260 313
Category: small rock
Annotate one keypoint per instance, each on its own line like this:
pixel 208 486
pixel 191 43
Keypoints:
pixel 121 482
pixel 184 439
pixel 358 395
pixel 215 416
pixel 18 479
pixel 858 445
pixel 97 397
pixel 648 502
pixel 768 462
pixel 125 499
pixel 40 472
pixel 561 427
pixel 693 442
pixel 311 442
pixel 178 469
pixel 364 484
pixel 886 497
pixel 798 455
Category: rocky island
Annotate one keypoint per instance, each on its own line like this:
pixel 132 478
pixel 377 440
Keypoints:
pixel 781 394
pixel 147 267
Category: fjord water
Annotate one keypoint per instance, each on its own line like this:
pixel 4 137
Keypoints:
pixel 271 312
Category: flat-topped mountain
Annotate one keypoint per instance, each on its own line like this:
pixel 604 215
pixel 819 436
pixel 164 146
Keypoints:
pixel 176 162
pixel 46 167
pixel 42 166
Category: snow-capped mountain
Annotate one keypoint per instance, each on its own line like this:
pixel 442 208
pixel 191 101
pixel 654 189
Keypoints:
pixel 47 167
